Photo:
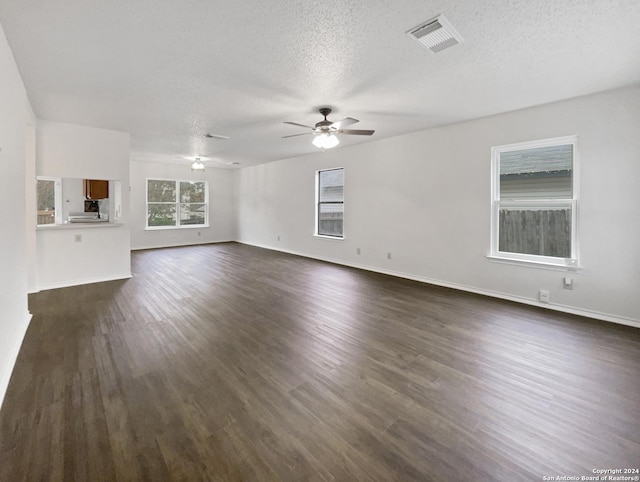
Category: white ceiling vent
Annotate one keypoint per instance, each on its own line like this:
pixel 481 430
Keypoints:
pixel 436 34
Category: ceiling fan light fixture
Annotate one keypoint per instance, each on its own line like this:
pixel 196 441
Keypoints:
pixel 325 141
pixel 197 165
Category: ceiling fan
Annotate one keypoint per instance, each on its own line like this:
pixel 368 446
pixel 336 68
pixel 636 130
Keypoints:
pixel 325 131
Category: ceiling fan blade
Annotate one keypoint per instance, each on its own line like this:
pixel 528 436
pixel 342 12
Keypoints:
pixel 296 135
pixel 299 125
pixel 356 132
pixel 216 136
pixel 347 121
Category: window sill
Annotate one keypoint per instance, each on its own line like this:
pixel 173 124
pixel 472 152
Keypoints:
pixel 533 264
pixel 162 228
pixel 334 238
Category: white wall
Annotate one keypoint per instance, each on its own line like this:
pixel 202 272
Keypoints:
pixel 14 121
pixel 222 205
pixel 72 196
pixel 425 197
pixel 73 151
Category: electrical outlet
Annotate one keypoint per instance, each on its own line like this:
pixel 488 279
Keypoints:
pixel 199 233
pixel 388 255
pixel 567 283
pixel 78 238
pixel 357 250
pixel 278 238
pixel 544 296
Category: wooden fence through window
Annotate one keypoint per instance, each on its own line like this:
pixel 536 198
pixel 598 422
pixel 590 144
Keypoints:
pixel 539 232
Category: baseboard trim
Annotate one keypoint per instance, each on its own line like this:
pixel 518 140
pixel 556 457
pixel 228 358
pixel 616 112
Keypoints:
pixel 621 320
pixel 7 370
pixel 84 281
pixel 143 248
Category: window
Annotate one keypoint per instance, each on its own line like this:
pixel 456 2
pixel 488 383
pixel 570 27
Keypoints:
pixel 177 204
pixel 48 198
pixel 534 202
pixel 330 200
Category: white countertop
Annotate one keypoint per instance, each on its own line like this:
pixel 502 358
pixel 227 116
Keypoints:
pixel 48 227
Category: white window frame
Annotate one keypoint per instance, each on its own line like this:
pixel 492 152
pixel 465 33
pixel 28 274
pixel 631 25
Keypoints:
pixel 496 203
pixel 317 204
pixel 177 203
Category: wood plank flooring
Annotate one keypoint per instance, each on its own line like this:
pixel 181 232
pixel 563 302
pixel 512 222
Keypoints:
pixel 228 362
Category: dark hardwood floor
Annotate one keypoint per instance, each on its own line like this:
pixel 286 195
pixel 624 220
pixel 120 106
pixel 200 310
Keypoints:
pixel 229 362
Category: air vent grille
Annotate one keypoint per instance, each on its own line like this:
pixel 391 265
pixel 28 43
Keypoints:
pixel 436 34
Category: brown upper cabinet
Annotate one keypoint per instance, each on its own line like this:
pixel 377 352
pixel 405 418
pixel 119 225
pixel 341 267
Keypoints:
pixel 96 189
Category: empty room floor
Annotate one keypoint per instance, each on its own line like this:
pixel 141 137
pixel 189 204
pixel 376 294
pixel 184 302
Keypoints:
pixel 229 362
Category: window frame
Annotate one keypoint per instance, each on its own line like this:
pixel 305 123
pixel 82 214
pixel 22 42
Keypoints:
pixel 496 203
pixel 319 203
pixel 177 204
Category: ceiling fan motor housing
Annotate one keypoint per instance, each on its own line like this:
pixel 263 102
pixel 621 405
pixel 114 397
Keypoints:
pixel 325 111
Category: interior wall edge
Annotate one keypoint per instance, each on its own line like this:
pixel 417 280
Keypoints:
pixel 621 320
pixel 12 356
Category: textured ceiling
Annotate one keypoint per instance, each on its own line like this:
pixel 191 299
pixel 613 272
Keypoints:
pixel 169 72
